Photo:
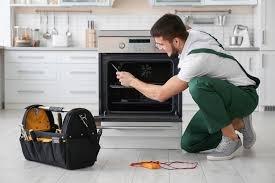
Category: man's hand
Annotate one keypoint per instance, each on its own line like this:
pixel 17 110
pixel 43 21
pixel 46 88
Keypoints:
pixel 125 78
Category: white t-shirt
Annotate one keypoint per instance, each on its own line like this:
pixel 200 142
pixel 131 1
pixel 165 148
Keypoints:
pixel 206 64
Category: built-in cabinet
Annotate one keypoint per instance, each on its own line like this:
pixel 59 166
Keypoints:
pixel 202 2
pixel 17 3
pixel 1 77
pixel 267 24
pixel 176 2
pixel 230 2
pixel 267 94
pixel 51 78
pixel 5 17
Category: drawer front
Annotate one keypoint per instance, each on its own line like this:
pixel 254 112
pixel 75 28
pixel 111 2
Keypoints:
pixel 78 57
pixel 18 91
pixel 79 92
pixel 30 57
pixel 79 72
pixel 30 71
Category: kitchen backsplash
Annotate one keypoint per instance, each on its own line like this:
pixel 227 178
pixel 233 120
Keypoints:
pixel 78 24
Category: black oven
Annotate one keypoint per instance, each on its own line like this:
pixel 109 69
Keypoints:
pixel 125 104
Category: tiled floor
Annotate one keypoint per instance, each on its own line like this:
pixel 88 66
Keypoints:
pixel 256 165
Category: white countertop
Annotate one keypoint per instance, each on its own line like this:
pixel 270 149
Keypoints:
pixel 242 48
pixel 95 49
pixel 50 49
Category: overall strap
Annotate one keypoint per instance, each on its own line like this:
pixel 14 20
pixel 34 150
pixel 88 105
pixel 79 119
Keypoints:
pixel 220 45
pixel 224 55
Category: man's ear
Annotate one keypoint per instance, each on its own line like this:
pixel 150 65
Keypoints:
pixel 176 41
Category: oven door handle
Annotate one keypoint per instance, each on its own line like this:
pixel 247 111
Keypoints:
pixel 138 127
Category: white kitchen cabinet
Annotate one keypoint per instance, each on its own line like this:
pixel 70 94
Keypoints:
pixel 64 3
pixel 230 2
pixel 87 2
pixel 65 78
pixel 5 17
pixel 267 24
pixel 250 60
pixel 267 86
pixel 1 78
pixel 176 2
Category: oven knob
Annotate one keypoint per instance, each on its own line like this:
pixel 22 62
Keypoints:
pixel 121 45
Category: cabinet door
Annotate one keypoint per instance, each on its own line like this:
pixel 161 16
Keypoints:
pixel 267 78
pixel 249 60
pixel 230 2
pixel 268 26
pixel 88 2
pixel 177 2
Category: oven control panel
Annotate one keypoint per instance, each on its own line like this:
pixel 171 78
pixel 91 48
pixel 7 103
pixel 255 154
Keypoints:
pixel 127 45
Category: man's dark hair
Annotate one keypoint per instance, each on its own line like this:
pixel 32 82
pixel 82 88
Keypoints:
pixel 169 26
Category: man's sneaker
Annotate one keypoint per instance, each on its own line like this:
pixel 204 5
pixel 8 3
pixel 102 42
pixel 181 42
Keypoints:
pixel 227 149
pixel 249 135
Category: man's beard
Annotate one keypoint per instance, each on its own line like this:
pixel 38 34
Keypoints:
pixel 175 53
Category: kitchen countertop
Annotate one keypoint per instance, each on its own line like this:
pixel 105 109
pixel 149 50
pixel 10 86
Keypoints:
pixel 50 49
pixel 242 48
pixel 95 49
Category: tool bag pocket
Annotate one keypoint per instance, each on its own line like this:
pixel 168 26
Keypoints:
pixel 72 144
pixel 45 152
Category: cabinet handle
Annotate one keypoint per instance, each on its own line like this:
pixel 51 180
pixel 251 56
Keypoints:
pixel 30 57
pixel 263 37
pixel 30 72
pixel 82 72
pixel 83 58
pixel 30 91
pixel 262 61
pixel 82 92
pixel 250 64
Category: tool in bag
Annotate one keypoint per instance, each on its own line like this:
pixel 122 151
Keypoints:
pixel 174 165
pixel 72 144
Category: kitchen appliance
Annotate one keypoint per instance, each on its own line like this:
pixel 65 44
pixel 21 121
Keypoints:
pixel 21 36
pixel 35 37
pixel 123 111
pixel 240 37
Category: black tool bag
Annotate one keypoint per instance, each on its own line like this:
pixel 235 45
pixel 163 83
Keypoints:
pixel 72 144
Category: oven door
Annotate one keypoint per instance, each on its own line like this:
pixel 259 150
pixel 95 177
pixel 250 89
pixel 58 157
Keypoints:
pixel 121 103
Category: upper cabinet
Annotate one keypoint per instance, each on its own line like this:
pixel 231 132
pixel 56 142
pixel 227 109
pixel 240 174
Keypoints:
pixel 87 2
pixel 61 3
pixel 230 2
pixel 202 2
pixel 267 25
pixel 176 2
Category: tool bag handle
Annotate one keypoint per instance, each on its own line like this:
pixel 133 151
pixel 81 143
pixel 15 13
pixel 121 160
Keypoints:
pixel 53 108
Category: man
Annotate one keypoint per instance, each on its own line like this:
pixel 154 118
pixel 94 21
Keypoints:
pixel 224 92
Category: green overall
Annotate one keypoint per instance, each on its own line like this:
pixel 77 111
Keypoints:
pixel 219 103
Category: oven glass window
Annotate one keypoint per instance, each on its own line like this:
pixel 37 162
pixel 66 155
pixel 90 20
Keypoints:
pixel 123 99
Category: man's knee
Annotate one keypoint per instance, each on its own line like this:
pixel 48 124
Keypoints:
pixel 186 144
